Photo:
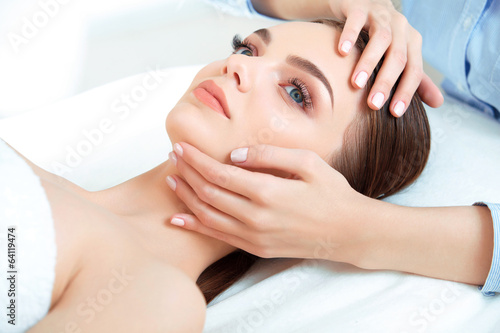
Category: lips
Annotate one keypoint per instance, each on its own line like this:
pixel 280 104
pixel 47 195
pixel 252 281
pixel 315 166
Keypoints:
pixel 212 96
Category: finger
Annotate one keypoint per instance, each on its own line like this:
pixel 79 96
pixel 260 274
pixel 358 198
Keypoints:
pixel 206 214
pixel 232 178
pixel 221 199
pixel 192 223
pixel 429 92
pixel 410 80
pixel 373 52
pixel 352 27
pixel 392 67
pixel 302 164
pixel 411 76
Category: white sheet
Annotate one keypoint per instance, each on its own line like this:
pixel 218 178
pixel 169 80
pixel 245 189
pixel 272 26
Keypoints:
pixel 289 295
pixel 318 296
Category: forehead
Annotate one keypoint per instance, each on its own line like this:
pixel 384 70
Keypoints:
pixel 306 29
pixel 306 37
pixel 317 43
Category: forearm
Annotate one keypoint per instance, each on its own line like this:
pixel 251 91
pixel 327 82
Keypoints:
pixel 293 9
pixel 303 9
pixel 451 243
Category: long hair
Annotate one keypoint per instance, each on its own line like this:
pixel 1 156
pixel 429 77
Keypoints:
pixel 380 156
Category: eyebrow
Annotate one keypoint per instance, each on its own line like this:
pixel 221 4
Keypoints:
pixel 299 62
pixel 264 34
pixel 312 69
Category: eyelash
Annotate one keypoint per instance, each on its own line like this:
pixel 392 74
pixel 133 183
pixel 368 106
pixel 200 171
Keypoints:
pixel 303 90
pixel 237 44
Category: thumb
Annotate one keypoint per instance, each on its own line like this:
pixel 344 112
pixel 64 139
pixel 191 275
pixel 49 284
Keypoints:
pixel 298 162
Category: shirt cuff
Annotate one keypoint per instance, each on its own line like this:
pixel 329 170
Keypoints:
pixel 492 284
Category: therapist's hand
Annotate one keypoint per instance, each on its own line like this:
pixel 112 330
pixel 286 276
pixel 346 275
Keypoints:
pixel 312 214
pixel 316 214
pixel 390 35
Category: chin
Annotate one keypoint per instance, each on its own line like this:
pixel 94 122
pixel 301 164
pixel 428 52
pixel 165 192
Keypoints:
pixel 184 124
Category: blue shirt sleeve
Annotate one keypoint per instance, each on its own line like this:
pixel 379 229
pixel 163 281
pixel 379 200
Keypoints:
pixel 492 284
pixel 456 34
pixel 460 39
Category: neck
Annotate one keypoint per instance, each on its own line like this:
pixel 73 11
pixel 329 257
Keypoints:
pixel 146 204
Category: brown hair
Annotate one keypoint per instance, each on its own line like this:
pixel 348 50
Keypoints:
pixel 380 156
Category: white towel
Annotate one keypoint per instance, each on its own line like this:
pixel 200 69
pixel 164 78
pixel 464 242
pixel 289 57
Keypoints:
pixel 277 295
pixel 26 223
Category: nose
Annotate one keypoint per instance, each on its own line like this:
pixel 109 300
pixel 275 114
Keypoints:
pixel 238 67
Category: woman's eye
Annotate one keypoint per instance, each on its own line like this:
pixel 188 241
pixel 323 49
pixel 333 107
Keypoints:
pixel 245 51
pixel 295 94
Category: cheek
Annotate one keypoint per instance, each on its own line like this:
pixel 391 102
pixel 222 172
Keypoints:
pixel 282 127
pixel 291 128
pixel 266 119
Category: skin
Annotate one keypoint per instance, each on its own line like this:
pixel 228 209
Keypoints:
pixel 452 243
pixel 390 35
pixel 256 81
pixel 318 215
pixel 121 231
pixel 125 228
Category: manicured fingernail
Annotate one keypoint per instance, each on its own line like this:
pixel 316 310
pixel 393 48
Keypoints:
pixel 361 79
pixel 399 109
pixel 173 157
pixel 346 46
pixel 177 221
pixel 378 100
pixel 239 155
pixel 178 149
pixel 171 183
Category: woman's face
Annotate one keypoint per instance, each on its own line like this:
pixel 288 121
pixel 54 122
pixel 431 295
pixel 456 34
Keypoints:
pixel 286 86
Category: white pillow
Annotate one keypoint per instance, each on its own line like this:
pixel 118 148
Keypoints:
pixel 96 139
pixel 462 169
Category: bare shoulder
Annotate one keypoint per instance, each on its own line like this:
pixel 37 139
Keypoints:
pixel 152 297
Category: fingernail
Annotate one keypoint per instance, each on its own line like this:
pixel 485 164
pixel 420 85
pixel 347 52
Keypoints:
pixel 178 149
pixel 399 108
pixel 346 46
pixel 361 79
pixel 177 221
pixel 378 100
pixel 239 155
pixel 171 183
pixel 173 157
